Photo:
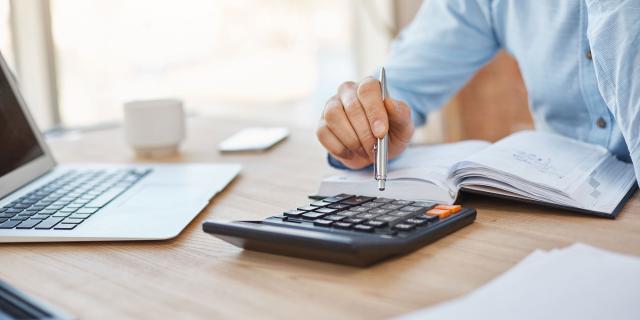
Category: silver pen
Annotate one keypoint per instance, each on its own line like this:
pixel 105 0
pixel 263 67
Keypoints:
pixel 382 145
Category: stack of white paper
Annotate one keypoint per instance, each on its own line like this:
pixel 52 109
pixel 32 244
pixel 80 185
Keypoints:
pixel 578 282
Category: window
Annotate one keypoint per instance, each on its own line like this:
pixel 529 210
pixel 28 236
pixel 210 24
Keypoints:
pixel 242 57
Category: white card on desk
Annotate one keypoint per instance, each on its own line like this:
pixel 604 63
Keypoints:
pixel 254 139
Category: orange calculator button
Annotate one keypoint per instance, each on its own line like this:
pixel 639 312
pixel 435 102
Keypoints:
pixel 454 208
pixel 440 213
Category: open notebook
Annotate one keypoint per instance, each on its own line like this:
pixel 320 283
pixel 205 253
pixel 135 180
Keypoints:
pixel 529 166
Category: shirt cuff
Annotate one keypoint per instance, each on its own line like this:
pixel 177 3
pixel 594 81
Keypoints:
pixel 335 163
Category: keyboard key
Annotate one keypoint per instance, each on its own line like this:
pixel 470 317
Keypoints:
pixel 49 223
pixel 68 210
pixel 11 215
pixel 9 224
pixel 383 200
pixel 388 218
pixel 294 213
pixel 423 204
pixel 106 197
pixel 334 217
pixel 357 200
pixel 320 204
pixel 47 211
pixel 87 210
pixel 372 204
pixel 313 215
pixel 28 224
pixel 307 208
pixel 404 227
pixel 72 220
pixel 353 220
pixel 326 210
pixel 348 213
pixel 343 225
pixel 61 214
pixel 322 223
pixel 402 202
pixel 20 218
pixel 65 226
pixel 79 215
pixel 363 228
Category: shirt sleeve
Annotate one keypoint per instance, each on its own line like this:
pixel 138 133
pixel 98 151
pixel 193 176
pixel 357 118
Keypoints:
pixel 614 37
pixel 447 42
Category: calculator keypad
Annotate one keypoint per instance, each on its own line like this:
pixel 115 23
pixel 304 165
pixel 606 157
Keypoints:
pixel 370 214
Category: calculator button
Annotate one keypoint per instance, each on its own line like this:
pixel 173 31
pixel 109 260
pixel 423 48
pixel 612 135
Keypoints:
pixel 337 198
pixel 400 213
pixel 363 228
pixel 326 210
pixel 404 226
pixel 322 223
pixel 334 217
pixel 440 213
pixel 383 200
pixel 339 206
pixel 377 223
pixel 357 200
pixel 348 213
pixel 313 215
pixel 379 211
pixel 430 219
pixel 359 209
pixel 411 209
pixel 293 213
pixel 367 215
pixel 423 204
pixel 453 208
pixel 387 218
pixel 320 204
pixel 342 225
pixel 402 202
pixel 371 204
pixel 307 208
pixel 353 220
pixel 417 221
pixel 392 206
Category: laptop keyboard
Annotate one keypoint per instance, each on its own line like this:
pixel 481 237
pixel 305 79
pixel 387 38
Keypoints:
pixel 69 200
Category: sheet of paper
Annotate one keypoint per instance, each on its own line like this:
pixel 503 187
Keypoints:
pixel 578 282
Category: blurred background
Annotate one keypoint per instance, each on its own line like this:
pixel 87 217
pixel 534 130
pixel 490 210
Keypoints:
pixel 78 61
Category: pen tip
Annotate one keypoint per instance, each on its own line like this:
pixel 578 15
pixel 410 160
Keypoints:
pixel 381 185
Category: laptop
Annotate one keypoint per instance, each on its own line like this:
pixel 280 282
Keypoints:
pixel 41 201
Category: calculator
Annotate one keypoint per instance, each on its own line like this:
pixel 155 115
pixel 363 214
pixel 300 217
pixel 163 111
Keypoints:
pixel 347 229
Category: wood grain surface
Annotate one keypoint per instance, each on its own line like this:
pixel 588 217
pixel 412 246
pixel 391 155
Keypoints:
pixel 198 276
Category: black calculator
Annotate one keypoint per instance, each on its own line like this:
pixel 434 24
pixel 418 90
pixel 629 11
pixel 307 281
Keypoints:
pixel 347 229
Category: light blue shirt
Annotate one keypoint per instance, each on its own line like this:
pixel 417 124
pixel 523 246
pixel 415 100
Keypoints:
pixel 580 61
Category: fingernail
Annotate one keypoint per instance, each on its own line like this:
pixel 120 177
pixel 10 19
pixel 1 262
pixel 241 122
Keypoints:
pixel 378 128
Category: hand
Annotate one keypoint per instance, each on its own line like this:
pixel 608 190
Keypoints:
pixel 354 118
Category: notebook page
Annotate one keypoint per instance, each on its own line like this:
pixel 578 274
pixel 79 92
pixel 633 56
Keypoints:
pixel 542 158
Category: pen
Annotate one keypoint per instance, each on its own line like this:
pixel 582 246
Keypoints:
pixel 382 145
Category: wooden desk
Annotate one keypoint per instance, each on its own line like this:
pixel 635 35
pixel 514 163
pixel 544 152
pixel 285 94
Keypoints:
pixel 198 276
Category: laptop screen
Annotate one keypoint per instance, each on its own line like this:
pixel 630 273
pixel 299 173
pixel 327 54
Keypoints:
pixel 18 143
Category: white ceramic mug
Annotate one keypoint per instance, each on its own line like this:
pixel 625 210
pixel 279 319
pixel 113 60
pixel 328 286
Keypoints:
pixel 154 128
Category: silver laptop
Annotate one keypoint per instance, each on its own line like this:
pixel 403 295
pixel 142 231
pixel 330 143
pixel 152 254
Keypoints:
pixel 43 201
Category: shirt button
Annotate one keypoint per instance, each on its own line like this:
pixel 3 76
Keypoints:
pixel 589 56
pixel 601 123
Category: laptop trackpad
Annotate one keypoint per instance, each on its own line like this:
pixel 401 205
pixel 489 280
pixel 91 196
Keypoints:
pixel 164 197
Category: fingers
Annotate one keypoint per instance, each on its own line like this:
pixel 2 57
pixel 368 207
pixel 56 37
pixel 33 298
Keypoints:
pixel 357 117
pixel 332 143
pixel 370 96
pixel 337 121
